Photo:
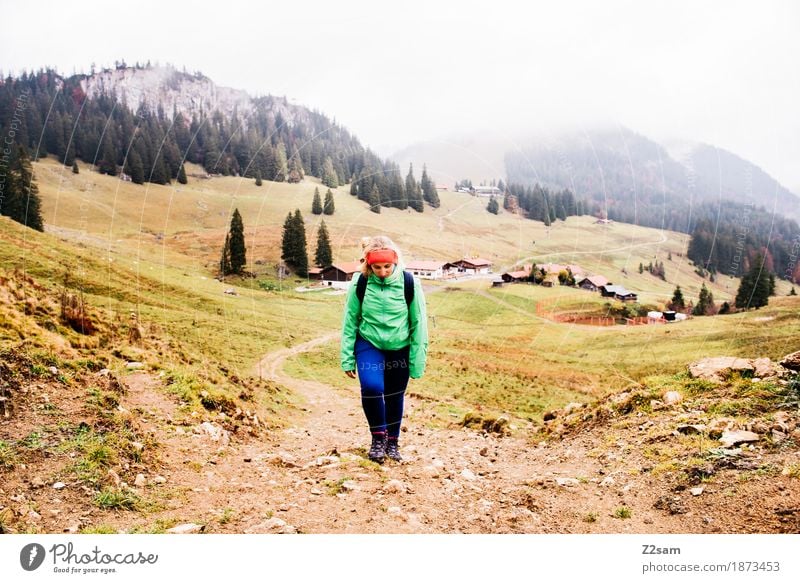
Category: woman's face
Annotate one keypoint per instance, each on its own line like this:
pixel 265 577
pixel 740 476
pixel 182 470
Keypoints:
pixel 383 269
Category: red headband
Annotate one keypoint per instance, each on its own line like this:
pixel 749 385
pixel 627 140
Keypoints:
pixel 381 256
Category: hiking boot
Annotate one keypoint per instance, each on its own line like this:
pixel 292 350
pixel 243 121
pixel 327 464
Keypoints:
pixel 392 451
pixel 378 449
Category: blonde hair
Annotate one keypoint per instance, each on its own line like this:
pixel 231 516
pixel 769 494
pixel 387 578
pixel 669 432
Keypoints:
pixel 373 244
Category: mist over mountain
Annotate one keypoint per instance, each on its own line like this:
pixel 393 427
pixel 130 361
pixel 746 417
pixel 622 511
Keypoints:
pixel 636 179
pixel 734 210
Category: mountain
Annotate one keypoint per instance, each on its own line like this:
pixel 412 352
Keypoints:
pixel 168 88
pixel 731 177
pixel 143 123
pixel 633 178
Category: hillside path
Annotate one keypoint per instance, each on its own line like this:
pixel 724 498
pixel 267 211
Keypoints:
pixel 313 475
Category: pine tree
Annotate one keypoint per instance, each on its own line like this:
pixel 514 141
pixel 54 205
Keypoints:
pixel 397 191
pixel 429 193
pixel 22 203
pixel 281 166
pixel 677 304
pixel 288 239
pixel 159 174
pixel 705 303
pixel 493 206
pixel 75 169
pixel 293 244
pixel 316 204
pixel 182 175
pixel 238 250
pixel 323 257
pixel 329 177
pixel 225 261
pixel 792 293
pixel 69 159
pixel 329 207
pixel 753 291
pixel 134 167
pixel 301 253
pixel 108 163
pixel 295 168
pixel 375 199
pixel 413 191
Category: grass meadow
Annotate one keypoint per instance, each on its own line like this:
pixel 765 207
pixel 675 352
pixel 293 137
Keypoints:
pixel 153 250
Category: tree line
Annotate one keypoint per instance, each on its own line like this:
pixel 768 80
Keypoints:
pixel 541 204
pixel 19 195
pixel 151 145
pixel 382 185
pixel 294 251
pixel 733 237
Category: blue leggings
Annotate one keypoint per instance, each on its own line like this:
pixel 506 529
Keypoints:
pixel 384 377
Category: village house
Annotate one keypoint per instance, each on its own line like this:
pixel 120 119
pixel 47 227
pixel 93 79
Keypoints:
pixel 593 282
pixel 339 274
pixel 487 191
pixel 426 269
pixel 472 266
pixel 618 292
pixel 517 276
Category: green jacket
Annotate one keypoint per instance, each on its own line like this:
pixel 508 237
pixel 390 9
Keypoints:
pixel 385 321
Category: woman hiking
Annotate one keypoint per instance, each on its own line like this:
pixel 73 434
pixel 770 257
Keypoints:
pixel 384 338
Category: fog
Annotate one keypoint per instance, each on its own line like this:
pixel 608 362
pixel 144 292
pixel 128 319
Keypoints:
pixel 722 73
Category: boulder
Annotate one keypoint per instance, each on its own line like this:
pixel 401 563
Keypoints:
pixel 731 438
pixel 672 397
pixel 765 368
pixel 791 361
pixel 719 368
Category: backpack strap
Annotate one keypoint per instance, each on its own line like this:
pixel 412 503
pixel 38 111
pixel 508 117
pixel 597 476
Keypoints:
pixel 361 288
pixel 408 287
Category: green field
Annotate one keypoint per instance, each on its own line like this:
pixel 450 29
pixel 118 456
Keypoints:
pixel 153 250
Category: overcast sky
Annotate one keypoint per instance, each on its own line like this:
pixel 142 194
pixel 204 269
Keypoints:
pixel 725 73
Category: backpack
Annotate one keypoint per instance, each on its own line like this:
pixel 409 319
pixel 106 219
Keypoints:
pixel 408 288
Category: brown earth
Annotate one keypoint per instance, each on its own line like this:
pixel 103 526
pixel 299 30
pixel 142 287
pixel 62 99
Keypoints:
pixel 629 473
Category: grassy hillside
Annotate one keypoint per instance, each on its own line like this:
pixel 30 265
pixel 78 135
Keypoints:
pixel 183 227
pixel 153 249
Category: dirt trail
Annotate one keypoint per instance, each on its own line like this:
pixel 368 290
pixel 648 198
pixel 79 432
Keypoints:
pixel 453 480
pixel 312 476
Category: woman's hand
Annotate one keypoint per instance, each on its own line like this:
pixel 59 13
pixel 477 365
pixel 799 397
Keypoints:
pixel 350 373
